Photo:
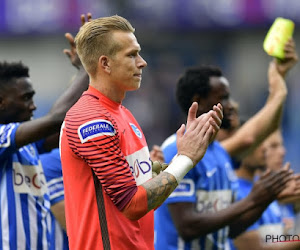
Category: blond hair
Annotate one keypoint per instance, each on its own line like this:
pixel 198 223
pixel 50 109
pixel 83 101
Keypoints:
pixel 94 40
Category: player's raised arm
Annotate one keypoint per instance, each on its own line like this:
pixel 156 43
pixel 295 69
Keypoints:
pixel 34 130
pixel 268 119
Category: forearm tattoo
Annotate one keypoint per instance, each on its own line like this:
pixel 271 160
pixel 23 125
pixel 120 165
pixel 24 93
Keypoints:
pixel 159 188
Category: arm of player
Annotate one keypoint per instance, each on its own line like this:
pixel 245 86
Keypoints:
pixel 263 123
pixel 58 210
pixel 197 135
pixel 268 191
pixel 189 222
pixel 269 117
pixel 291 58
pixel 49 124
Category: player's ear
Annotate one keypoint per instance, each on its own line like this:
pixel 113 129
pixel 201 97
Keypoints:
pixel 104 63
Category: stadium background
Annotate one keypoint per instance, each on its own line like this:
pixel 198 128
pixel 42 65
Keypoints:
pixel 173 34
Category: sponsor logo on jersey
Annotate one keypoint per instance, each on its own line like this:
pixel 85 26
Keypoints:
pixel 95 128
pixel 140 165
pixel 185 188
pixel 211 172
pixel 29 179
pixel 136 130
pixel 213 201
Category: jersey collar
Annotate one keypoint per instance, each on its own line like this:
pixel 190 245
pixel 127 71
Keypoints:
pixel 102 98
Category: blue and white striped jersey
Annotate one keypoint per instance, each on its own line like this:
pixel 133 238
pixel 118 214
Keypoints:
pixel 53 171
pixel 211 185
pixel 23 193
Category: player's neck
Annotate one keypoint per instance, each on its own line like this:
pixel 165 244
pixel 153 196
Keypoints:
pixel 108 89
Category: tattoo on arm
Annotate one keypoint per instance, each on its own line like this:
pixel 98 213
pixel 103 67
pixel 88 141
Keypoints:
pixel 159 188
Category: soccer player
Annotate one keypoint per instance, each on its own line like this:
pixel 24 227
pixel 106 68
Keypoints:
pixel 271 223
pixel 23 187
pixel 275 154
pixel 199 213
pixel 109 193
pixel 51 164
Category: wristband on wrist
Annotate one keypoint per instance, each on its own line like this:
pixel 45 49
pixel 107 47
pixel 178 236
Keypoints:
pixel 179 167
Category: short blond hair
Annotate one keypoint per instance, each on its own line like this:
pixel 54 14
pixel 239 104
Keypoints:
pixel 94 40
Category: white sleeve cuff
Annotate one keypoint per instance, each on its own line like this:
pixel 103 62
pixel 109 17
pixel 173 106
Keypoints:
pixel 179 167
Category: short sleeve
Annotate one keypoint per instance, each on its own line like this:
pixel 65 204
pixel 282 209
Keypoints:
pixel 53 172
pixel 185 191
pixel 7 138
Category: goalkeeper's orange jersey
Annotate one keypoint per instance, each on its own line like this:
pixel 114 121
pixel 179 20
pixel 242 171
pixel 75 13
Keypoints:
pixel 103 135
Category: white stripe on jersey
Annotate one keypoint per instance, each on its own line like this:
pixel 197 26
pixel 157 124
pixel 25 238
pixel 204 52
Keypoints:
pixel 19 221
pixel 7 137
pixel 180 243
pixel 33 221
pixel 54 186
pixel 61 193
pixel 45 212
pixel 57 234
pixel 54 181
pixel 59 239
pixel 22 189
pixel 4 213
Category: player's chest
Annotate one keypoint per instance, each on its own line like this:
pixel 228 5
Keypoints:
pixel 131 137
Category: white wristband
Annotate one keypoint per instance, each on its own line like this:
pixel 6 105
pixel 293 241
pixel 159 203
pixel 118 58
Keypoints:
pixel 179 167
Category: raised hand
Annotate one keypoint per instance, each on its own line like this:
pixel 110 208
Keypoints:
pixel 216 120
pixel 292 191
pixel 85 18
pixel 290 59
pixel 72 53
pixel 277 85
pixel 194 138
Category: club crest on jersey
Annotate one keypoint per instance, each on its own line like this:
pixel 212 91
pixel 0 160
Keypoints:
pixel 95 128
pixel 136 130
